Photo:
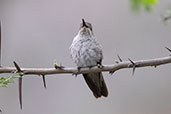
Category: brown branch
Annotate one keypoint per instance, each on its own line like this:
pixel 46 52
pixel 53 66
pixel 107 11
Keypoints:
pixel 105 68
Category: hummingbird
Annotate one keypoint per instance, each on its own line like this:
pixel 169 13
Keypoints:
pixel 87 52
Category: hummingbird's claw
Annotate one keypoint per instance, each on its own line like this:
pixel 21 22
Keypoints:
pixel 78 72
pixel 90 67
pixel 111 72
pixel 100 66
pixel 75 74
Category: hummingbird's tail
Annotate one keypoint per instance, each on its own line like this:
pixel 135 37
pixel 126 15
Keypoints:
pixel 96 83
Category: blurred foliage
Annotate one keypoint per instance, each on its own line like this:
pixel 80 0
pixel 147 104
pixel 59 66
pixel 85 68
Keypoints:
pixel 136 5
pixel 4 81
pixel 166 17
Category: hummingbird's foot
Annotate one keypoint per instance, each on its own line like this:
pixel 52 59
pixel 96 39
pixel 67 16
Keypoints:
pixel 78 72
pixel 90 67
pixel 111 72
pixel 100 66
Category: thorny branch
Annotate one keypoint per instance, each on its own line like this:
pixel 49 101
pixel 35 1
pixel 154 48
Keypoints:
pixel 106 68
pixel 61 70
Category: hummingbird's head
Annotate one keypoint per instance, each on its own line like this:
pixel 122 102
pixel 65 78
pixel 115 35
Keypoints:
pixel 86 28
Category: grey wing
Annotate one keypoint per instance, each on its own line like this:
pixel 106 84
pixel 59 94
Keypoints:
pixel 98 52
pixel 74 51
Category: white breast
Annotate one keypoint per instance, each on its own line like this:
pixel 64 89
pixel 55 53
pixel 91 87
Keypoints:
pixel 85 51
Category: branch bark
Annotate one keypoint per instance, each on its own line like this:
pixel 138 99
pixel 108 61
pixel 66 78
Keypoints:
pixel 106 68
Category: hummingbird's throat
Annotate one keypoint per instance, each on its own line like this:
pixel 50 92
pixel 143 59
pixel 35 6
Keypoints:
pixel 85 31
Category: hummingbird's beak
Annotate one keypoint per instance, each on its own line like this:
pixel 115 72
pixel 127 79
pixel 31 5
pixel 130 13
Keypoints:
pixel 84 23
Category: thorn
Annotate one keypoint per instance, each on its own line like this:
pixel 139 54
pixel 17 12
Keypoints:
pixel 133 66
pixel 133 71
pixel 131 61
pixel 44 80
pixel 168 49
pixel 20 91
pixel 19 82
pixel 111 72
pixel 119 58
pixel 17 67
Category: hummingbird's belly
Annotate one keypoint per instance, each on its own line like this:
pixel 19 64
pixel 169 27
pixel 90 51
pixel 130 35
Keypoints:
pixel 87 57
pixel 86 53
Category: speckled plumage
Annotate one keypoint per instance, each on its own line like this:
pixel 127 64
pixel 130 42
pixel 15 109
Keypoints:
pixel 87 52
